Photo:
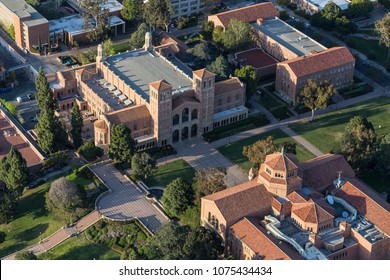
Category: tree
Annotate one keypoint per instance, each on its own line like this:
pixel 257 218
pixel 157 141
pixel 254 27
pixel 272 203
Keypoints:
pixel 89 151
pixel 383 157
pixel 238 35
pixel 25 255
pixel 157 13
pixel 137 38
pixel 257 152
pixel 177 196
pixel 14 172
pixel 44 95
pixel 203 53
pixel 217 35
pixel 316 96
pixel 87 57
pixel 358 141
pixel 2 236
pixel 209 181
pixel 64 198
pixel 357 8
pixel 385 3
pixel 143 164
pixel 220 67
pixel 203 244
pixel 108 48
pixel 8 205
pixel 96 19
pixel 207 30
pixel 344 26
pixel 122 146
pixel 191 216
pixel 77 127
pixel 168 241
pixel 131 9
pixel 248 75
pixel 383 28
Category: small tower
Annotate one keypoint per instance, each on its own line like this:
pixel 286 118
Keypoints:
pixel 148 46
pixel 100 56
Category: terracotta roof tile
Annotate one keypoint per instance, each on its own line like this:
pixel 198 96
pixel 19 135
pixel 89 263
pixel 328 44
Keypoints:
pixel 247 14
pixel 266 246
pixel 100 124
pixel 297 197
pixel 241 200
pixel 183 99
pixel 203 73
pixel 319 173
pixel 317 62
pixel 281 162
pixel 311 212
pixel 367 202
pixel 228 85
pixel 161 85
pixel 128 115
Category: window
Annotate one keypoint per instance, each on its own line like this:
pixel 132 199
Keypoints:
pixel 228 99
pixel 204 84
pixel 209 83
pixel 237 96
pixel 184 115
pixel 219 102
pixel 194 114
pixel 268 171
pixel 176 119
pixel 135 127
pixel 278 175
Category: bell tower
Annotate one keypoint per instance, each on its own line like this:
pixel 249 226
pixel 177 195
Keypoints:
pixel 203 84
pixel 100 57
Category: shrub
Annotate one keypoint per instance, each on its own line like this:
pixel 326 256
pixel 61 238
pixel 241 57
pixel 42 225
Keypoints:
pixel 89 151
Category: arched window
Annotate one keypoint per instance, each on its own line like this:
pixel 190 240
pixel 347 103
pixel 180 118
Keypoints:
pixel 194 114
pixel 176 119
pixel 175 136
pixel 228 99
pixel 184 133
pixel 194 130
pixel 184 115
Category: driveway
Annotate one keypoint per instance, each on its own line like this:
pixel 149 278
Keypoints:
pixel 125 201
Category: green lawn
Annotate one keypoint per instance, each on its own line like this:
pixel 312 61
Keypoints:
pixel 79 248
pixel 273 103
pixel 327 130
pixel 371 49
pixel 32 222
pixel 374 179
pixel 121 47
pixel 168 172
pixel 234 151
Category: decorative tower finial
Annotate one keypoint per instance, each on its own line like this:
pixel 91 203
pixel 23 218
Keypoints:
pixel 148 41
pixel 282 151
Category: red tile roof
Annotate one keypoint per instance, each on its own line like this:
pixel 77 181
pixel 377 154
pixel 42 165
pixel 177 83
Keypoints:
pixel 203 73
pixel 183 99
pixel 241 200
pixel 297 197
pixel 264 245
pixel 367 202
pixel 319 173
pixel 161 85
pixel 281 162
pixel 311 212
pixel 247 14
pixel 128 115
pixel 255 58
pixel 228 85
pixel 317 62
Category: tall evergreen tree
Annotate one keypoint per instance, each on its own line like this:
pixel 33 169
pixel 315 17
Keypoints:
pixel 77 127
pixel 44 95
pixel 14 170
pixel 122 144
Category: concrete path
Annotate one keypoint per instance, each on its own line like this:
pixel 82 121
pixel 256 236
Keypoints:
pixel 61 235
pixel 124 200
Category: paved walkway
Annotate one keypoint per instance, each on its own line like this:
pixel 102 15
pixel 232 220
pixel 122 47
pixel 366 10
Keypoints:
pixel 61 235
pixel 124 200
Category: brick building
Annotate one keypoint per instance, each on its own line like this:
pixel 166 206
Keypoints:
pixel 29 25
pixel 294 210
pixel 248 14
pixel 159 98
pixel 335 65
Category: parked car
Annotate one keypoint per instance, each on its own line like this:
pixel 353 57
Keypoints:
pixel 31 96
pixel 21 99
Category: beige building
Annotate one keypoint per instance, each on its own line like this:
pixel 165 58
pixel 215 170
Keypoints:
pixel 336 65
pixel 294 210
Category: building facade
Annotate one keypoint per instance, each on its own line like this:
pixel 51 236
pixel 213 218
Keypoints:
pixel 186 8
pixel 160 99
pixel 336 65
pixel 29 25
pixel 294 210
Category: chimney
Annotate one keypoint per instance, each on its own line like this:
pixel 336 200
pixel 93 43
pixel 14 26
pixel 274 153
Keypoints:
pixel 261 21
pixel 148 46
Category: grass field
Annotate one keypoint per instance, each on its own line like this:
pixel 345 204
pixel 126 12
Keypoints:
pixel 234 151
pixel 79 248
pixel 32 223
pixel 327 130
pixel 371 48
pixel 121 47
pixel 168 172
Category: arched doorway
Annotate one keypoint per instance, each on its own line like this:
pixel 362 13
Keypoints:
pixel 184 133
pixel 185 115
pixel 175 136
pixel 194 130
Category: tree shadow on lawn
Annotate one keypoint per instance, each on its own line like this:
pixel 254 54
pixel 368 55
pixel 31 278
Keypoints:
pixel 85 252
pixel 29 204
pixel 31 233
pixel 12 249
